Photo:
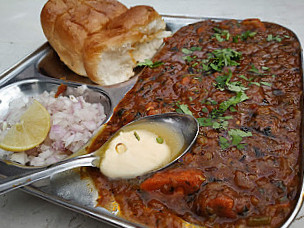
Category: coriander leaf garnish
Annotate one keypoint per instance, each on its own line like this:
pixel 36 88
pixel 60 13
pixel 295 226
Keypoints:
pixel 260 83
pixel 237 135
pixel 205 110
pixel 235 39
pixel 254 69
pixel 194 48
pixel 265 68
pixel 243 77
pixel 232 109
pixel 191 50
pixel 159 140
pixel 220 123
pixel 273 38
pixel 186 51
pixel 187 58
pixel 221 35
pixel 223 82
pixel 235 138
pixel 136 136
pixel 210 101
pixel 150 64
pixel 236 87
pixel 220 58
pixel 266 83
pixel 205 122
pixel 224 143
pixel 247 34
pixel 254 83
pixel 244 36
pixel 183 108
pixel 240 97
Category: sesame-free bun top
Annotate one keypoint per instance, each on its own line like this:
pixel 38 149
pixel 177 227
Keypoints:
pixel 102 39
pixel 67 23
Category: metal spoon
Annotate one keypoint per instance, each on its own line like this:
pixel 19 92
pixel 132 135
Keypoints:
pixel 186 125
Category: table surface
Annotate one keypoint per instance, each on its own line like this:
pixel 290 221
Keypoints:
pixel 22 34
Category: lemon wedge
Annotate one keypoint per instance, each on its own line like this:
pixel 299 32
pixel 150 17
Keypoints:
pixel 30 131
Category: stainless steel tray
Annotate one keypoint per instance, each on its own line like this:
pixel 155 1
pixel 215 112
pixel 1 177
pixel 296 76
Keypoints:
pixel 68 189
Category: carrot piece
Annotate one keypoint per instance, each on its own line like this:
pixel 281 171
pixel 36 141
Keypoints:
pixel 186 181
pixel 254 23
pixel 61 89
pixel 222 206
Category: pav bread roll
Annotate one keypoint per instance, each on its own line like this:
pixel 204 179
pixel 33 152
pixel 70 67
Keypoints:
pixel 67 23
pixel 111 54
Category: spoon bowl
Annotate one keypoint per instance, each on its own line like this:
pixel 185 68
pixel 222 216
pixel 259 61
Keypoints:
pixel 184 125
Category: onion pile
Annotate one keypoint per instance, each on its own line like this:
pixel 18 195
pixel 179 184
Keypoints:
pixel 73 123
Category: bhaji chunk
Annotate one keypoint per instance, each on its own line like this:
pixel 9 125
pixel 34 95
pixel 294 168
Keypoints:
pixel 185 181
pixel 221 200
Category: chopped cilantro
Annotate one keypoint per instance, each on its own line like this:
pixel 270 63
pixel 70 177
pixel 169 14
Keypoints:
pixel 236 87
pixel 265 68
pixel 225 118
pixel 205 110
pixel 136 136
pixel 220 123
pixel 255 83
pixel 232 109
pixel 243 77
pixel 220 58
pixel 223 81
pixel 244 36
pixel 221 35
pixel 254 69
pixel 186 51
pixel 183 108
pixel 204 122
pixel 216 125
pixel 196 48
pixel 159 140
pixel 235 39
pixel 266 84
pixel 237 135
pixel 241 146
pixel 198 78
pixel 211 101
pixel 191 50
pixel 188 58
pixel 273 38
pixel 218 37
pixel 241 96
pixel 247 34
pixel 150 64
pixel 194 64
pixel 224 143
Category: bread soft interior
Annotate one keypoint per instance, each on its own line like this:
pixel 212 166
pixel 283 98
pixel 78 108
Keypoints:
pixel 111 56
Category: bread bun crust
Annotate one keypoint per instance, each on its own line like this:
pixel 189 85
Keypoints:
pixel 102 39
pixel 67 23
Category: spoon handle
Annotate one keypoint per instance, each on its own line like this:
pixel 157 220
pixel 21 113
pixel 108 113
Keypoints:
pixel 14 182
